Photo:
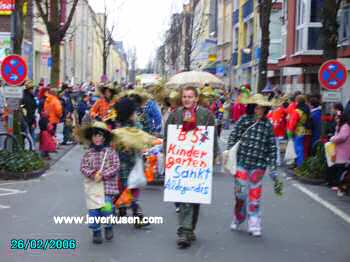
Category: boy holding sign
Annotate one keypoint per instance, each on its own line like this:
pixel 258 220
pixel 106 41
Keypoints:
pixel 191 143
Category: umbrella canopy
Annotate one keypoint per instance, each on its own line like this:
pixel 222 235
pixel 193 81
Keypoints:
pixel 194 78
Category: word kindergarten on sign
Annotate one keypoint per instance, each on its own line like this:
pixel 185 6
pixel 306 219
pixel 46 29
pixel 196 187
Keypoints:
pixel 189 165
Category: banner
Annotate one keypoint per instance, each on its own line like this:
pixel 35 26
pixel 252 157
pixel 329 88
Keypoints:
pixel 8 6
pixel 189 165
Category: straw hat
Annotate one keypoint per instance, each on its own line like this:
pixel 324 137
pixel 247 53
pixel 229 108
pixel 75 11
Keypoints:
pixel 84 134
pixel 132 138
pixel 257 99
pixel 103 86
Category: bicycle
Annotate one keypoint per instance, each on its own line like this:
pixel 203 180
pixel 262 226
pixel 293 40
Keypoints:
pixel 5 138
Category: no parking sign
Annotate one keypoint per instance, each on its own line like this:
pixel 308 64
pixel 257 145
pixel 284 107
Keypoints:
pixel 333 75
pixel 14 70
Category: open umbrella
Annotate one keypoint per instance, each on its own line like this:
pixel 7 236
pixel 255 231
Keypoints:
pixel 194 78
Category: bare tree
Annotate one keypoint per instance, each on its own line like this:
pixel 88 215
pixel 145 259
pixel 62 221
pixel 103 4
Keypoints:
pixel 174 39
pixel 107 40
pixel 193 33
pixel 132 58
pixel 265 8
pixel 330 28
pixel 52 13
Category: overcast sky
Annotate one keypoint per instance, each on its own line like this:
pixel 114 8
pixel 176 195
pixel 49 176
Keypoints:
pixel 140 23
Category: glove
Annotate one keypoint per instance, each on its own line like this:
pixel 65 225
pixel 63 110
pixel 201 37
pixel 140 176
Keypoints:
pixel 278 187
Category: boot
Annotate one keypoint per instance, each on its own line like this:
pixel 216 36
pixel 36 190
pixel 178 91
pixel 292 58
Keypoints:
pixel 97 237
pixel 122 212
pixel 192 236
pixel 183 241
pixel 140 224
pixel 108 233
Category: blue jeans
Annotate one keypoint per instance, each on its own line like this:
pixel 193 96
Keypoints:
pixel 100 212
pixel 299 149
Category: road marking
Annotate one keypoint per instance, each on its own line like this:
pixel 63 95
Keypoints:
pixel 11 191
pixel 323 202
pixel 2 206
pixel 19 182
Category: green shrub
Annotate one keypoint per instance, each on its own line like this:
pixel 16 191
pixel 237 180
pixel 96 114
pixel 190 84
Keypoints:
pixel 20 161
pixel 315 166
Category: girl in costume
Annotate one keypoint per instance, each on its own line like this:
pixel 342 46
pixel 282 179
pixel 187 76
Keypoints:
pixel 100 166
pixel 257 152
pixel 126 117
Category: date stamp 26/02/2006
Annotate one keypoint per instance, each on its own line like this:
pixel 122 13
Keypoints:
pixel 43 247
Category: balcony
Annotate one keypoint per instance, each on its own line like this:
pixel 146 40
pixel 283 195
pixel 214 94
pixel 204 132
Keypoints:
pixel 248 8
pixel 235 17
pixel 235 58
pixel 246 56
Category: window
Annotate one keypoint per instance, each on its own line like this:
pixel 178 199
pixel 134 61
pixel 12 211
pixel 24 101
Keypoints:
pixel 316 10
pixel 236 38
pixel 249 34
pixel 315 38
pixel 235 4
pixel 308 27
pixel 344 24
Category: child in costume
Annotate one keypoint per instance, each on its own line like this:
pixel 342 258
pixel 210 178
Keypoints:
pixel 100 167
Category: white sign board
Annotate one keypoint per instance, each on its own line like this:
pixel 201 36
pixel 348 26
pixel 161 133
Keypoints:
pixel 331 96
pixel 189 165
pixel 13 91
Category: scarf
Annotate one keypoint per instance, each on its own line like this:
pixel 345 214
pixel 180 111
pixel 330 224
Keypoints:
pixel 98 148
pixel 189 119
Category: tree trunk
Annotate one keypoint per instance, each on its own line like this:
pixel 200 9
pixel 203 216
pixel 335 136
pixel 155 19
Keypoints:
pixel 188 41
pixel 265 13
pixel 56 62
pixel 18 27
pixel 330 28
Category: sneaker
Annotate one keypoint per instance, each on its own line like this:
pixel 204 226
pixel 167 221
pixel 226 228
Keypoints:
pixel 256 233
pixel 234 225
pixel 97 237
pixel 182 241
pixel 177 210
pixel 140 224
pixel 340 193
pixel 108 233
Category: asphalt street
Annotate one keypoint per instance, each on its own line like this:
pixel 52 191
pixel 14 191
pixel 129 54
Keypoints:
pixel 296 227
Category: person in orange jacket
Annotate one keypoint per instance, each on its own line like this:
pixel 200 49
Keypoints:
pixel 53 107
pixel 103 105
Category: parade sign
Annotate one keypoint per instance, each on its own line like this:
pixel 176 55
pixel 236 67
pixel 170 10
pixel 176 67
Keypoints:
pixel 189 165
pixel 333 75
pixel 14 70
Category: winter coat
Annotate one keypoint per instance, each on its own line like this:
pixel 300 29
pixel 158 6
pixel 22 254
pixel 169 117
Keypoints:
pixel 48 142
pixel 101 108
pixel 342 144
pixel 29 104
pixel 54 108
pixel 91 163
pixel 316 124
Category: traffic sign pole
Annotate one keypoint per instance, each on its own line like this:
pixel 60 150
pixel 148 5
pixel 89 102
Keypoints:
pixel 14 71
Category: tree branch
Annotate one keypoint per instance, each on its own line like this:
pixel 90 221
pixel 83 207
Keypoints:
pixel 65 27
pixel 42 14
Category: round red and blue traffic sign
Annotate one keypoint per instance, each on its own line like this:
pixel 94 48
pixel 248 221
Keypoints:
pixel 333 75
pixel 14 70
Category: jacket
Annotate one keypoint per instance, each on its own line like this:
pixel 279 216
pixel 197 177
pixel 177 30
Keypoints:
pixel 101 108
pixel 53 107
pixel 29 104
pixel 296 124
pixel 342 144
pixel 278 119
pixel 47 141
pixel 91 163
